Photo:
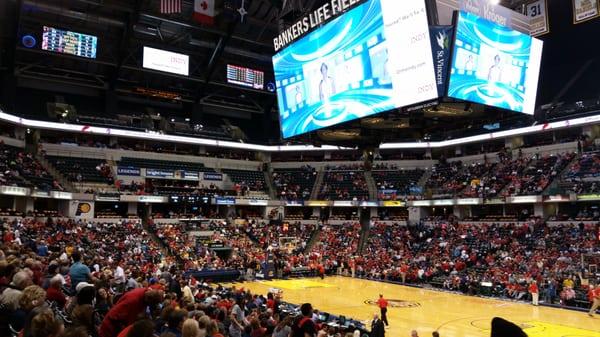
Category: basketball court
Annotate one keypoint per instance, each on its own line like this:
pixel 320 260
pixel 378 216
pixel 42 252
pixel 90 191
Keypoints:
pixel 411 308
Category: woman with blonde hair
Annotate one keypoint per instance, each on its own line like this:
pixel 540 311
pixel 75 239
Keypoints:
pixel 190 328
pixel 31 298
pixel 41 322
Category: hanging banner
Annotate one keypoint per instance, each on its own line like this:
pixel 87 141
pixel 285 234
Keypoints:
pixel 584 10
pixel 128 171
pixel 213 176
pixel 159 173
pixel 537 11
pixel 440 47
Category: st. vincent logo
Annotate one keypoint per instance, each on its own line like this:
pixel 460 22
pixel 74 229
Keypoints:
pixel 396 303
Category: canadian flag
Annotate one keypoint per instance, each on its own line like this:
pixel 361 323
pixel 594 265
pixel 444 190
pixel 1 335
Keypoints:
pixel 204 11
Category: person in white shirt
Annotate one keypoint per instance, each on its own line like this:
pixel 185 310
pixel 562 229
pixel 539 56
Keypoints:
pixel 119 277
pixel 188 295
pixel 326 86
pixel 470 64
pixel 495 72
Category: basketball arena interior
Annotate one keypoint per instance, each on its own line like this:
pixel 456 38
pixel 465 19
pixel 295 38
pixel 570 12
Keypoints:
pixel 299 168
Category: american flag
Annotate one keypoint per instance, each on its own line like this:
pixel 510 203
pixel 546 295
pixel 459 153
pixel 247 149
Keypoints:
pixel 170 6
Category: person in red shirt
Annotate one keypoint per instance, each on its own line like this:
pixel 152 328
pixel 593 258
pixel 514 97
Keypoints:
pixel 383 303
pixel 533 290
pixel 321 271
pixel 127 310
pixel 595 301
pixel 271 301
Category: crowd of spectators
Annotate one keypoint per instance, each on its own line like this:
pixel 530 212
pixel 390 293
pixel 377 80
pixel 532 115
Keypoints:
pixel 336 243
pixel 20 168
pixel 539 174
pixel 444 178
pixel 482 180
pixel 288 236
pixel 296 184
pixel 587 166
pixel 246 254
pixel 462 256
pixel 344 185
pixel 71 278
pixel 69 263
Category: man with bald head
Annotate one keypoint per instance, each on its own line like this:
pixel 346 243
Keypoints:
pixel 377 328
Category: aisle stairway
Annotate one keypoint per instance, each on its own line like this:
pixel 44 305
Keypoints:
pixel 371 185
pixel 317 187
pixel 163 247
pixel 364 237
pixel 269 182
pixel 315 237
pixel 62 180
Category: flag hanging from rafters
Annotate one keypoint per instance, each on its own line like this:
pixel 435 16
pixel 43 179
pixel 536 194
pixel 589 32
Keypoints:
pixel 204 11
pixel 170 6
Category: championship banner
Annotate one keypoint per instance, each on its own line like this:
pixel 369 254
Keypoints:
pixel 584 10
pixel 537 11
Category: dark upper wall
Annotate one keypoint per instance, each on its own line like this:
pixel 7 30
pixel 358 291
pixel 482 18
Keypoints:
pixel 566 48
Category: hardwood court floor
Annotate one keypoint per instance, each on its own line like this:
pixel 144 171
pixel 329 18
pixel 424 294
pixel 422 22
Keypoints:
pixel 452 315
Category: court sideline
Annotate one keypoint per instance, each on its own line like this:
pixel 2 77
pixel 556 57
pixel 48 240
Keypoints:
pixel 453 315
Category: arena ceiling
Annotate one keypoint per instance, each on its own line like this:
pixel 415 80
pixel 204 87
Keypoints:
pixel 123 27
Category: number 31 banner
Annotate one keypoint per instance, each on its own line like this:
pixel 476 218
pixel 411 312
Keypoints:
pixel 538 14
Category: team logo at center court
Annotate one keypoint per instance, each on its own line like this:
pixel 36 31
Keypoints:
pixel 396 303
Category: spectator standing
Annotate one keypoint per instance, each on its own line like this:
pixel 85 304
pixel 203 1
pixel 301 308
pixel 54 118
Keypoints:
pixel 377 328
pixel 533 290
pixel 78 272
pixel 595 299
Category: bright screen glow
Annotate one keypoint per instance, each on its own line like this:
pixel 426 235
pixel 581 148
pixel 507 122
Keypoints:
pixel 67 42
pixel 245 77
pixel 374 58
pixel 166 61
pixel 494 65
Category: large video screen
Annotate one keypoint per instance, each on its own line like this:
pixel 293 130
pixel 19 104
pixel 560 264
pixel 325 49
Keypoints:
pixel 494 65
pixel 166 61
pixel 67 42
pixel 374 58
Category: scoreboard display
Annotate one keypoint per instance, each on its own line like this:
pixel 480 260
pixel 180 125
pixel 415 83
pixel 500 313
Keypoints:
pixel 245 77
pixel 67 42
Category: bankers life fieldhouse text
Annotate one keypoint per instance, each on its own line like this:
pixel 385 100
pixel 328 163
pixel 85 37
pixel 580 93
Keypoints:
pixel 312 20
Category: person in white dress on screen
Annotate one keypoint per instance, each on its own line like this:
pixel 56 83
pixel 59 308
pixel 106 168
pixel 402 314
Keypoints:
pixel 298 96
pixel 470 64
pixel 326 87
pixel 495 73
